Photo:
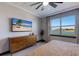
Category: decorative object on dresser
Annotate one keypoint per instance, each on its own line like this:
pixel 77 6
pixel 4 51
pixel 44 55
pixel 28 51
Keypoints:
pixel 19 43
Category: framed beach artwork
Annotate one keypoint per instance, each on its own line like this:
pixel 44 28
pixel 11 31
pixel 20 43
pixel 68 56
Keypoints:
pixel 19 25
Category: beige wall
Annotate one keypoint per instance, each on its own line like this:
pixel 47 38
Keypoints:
pixel 6 12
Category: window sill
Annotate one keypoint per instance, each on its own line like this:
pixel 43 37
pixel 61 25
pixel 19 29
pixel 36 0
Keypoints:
pixel 63 36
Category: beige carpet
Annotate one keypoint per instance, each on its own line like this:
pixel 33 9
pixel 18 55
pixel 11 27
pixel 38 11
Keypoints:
pixel 56 48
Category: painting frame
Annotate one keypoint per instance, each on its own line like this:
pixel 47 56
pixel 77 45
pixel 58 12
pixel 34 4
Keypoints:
pixel 12 28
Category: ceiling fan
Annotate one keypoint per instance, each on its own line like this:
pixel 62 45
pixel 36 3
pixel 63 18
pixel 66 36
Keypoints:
pixel 53 4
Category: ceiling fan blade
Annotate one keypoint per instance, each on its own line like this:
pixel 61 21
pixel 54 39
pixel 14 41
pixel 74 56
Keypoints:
pixel 58 2
pixel 35 3
pixel 52 4
pixel 39 5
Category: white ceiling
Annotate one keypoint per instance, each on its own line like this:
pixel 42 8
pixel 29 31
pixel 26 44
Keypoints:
pixel 66 6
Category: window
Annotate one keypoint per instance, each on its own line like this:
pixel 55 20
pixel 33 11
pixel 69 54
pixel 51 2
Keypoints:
pixel 64 26
pixel 55 26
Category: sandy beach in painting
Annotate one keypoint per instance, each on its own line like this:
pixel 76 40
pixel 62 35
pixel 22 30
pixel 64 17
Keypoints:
pixel 21 28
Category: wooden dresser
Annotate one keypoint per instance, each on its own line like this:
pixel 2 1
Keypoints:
pixel 19 43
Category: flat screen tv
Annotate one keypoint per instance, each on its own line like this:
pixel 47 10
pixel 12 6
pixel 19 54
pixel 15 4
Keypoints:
pixel 19 25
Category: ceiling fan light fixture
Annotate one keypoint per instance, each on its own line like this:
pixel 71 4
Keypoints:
pixel 45 3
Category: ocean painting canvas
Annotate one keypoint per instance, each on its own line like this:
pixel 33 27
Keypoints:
pixel 19 25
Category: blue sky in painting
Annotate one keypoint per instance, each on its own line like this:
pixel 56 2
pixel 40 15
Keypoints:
pixel 24 22
pixel 69 20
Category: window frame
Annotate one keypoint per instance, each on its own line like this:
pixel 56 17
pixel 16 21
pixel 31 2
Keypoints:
pixel 64 26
